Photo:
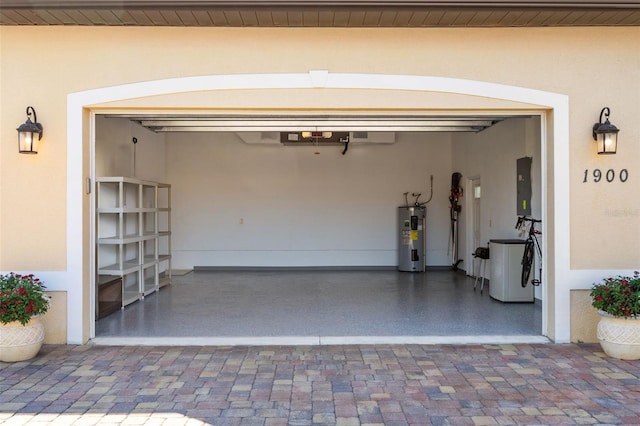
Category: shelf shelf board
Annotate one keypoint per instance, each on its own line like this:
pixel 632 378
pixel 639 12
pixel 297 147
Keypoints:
pixel 127 268
pixel 107 279
pixel 148 289
pixel 129 297
pixel 146 293
pixel 149 261
pixel 124 179
pixel 112 210
pixel 148 236
pixel 127 239
pixel 116 179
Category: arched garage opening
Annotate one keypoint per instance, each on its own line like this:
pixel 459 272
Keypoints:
pixel 548 106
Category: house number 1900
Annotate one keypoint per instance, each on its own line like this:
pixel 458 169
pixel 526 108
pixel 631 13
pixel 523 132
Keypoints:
pixel 597 175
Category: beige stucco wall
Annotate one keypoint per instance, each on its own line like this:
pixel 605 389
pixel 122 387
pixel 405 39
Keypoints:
pixel 56 318
pixel 595 67
pixel 584 317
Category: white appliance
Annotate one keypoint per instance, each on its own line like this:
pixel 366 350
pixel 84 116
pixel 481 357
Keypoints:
pixel 506 271
pixel 412 242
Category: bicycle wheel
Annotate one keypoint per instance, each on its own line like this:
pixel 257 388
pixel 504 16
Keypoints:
pixel 527 262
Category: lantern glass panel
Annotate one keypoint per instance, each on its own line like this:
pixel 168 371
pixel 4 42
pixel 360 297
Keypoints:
pixel 28 142
pixel 607 143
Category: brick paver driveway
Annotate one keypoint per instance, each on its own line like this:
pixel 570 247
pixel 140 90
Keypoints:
pixel 347 385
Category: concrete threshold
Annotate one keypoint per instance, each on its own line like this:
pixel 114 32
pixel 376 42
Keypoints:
pixel 318 340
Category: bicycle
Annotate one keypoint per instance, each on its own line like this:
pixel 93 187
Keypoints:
pixel 531 247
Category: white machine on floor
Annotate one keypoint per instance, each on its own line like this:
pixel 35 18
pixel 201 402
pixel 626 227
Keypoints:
pixel 506 272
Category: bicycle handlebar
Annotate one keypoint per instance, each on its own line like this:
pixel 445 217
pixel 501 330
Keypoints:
pixel 523 219
pixel 528 219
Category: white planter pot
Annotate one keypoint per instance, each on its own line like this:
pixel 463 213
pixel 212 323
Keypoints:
pixel 20 342
pixel 619 337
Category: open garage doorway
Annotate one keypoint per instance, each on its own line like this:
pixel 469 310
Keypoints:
pixel 330 91
pixel 245 202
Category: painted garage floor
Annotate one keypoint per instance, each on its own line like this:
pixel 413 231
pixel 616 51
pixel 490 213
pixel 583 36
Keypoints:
pixel 321 307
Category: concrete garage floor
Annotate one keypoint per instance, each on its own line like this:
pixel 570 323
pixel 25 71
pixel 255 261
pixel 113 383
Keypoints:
pixel 321 307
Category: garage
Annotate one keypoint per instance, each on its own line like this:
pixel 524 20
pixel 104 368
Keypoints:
pixel 213 58
pixel 288 224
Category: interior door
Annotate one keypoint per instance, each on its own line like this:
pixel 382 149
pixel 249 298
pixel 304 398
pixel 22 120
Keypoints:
pixel 473 221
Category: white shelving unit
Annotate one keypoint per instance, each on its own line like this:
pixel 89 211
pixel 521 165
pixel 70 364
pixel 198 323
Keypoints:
pixel 133 235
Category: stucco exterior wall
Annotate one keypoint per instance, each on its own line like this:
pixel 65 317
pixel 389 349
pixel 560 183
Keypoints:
pixel 584 318
pixel 594 67
pixel 55 318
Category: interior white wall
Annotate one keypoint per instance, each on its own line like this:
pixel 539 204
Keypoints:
pixel 236 204
pixel 239 204
pixel 491 155
pixel 115 150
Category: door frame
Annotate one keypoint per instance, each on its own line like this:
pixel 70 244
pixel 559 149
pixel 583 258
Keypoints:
pixel 552 108
pixel 469 223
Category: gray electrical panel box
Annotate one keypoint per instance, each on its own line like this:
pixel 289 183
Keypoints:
pixel 524 186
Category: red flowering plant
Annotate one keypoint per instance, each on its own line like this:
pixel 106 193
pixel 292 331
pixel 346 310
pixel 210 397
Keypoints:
pixel 618 297
pixel 21 298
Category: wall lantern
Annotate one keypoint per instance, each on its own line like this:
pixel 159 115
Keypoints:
pixel 27 142
pixel 605 134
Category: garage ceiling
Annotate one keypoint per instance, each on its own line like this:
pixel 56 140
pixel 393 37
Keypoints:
pixel 299 123
pixel 323 13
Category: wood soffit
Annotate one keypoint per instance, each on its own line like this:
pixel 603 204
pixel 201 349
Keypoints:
pixel 343 14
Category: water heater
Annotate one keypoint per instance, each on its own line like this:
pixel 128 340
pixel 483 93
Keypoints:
pixel 412 243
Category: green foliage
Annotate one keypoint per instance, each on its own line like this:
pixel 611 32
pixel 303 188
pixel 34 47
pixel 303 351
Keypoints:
pixel 619 296
pixel 21 298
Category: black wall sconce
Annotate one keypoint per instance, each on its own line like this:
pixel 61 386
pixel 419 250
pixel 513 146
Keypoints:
pixel 605 134
pixel 27 142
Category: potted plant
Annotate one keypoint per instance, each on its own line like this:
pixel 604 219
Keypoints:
pixel 618 303
pixel 22 301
